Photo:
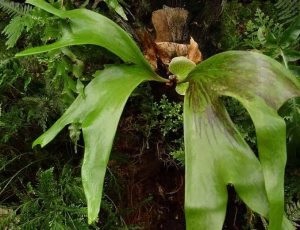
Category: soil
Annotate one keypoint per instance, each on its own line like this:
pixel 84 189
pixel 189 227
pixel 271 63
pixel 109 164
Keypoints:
pixel 153 189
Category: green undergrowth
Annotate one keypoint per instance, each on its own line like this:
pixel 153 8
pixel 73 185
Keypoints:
pixel 57 201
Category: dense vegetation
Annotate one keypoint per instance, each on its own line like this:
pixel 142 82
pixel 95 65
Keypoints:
pixel 144 183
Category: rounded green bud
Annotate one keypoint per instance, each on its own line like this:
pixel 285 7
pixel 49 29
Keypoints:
pixel 181 67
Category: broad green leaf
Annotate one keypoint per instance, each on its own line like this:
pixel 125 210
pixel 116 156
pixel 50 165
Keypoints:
pixel 217 155
pixel 98 111
pixel 100 104
pixel 88 27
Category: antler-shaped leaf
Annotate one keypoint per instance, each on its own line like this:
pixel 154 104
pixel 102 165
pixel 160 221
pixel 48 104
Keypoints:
pixel 98 111
pixel 100 107
pixel 217 155
pixel 88 27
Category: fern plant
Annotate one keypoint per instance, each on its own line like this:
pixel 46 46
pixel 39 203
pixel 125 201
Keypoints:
pixel 164 118
pixel 215 153
pixel 24 19
pixel 278 38
pixel 20 22
pixel 51 204
pixel 14 8
pixel 293 212
pixel 286 11
pixel 260 27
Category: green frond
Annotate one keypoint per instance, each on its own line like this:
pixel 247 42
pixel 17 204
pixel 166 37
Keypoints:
pixel 287 11
pixel 13 31
pixel 16 27
pixel 22 19
pixel 47 186
pixel 293 211
pixel 14 8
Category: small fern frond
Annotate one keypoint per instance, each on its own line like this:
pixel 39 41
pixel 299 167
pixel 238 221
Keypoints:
pixel 13 31
pixel 24 18
pixel 293 212
pixel 287 11
pixel 16 27
pixel 14 8
pixel 47 186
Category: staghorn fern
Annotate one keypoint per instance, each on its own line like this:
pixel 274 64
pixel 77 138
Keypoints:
pixel 55 202
pixel 245 76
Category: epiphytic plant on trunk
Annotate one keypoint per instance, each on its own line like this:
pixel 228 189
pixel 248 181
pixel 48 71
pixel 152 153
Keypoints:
pixel 215 153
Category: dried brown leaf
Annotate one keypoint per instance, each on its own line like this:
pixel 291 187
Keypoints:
pixel 194 53
pixel 169 24
pixel 169 50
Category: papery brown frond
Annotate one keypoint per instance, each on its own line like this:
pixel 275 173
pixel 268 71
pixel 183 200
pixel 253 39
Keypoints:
pixel 194 53
pixel 169 24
